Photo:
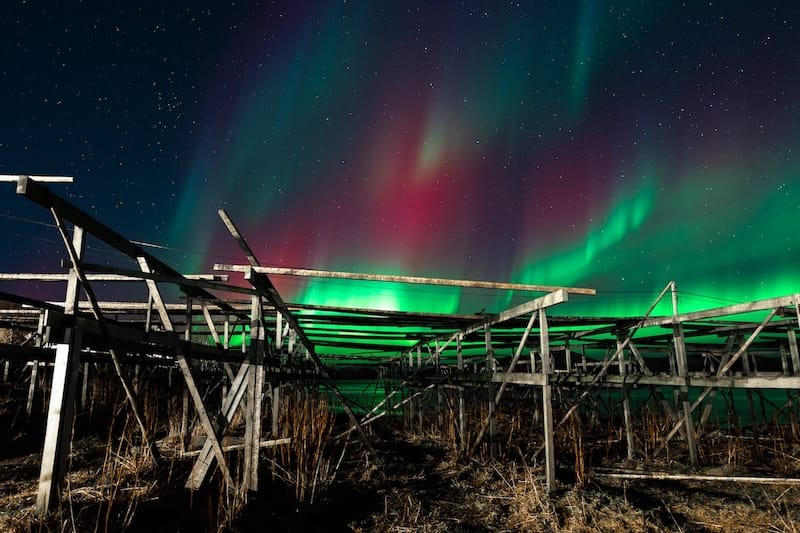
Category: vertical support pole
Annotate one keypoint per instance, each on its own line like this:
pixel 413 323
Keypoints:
pixel 794 370
pixel 149 316
pixel 292 344
pixel 683 372
pixel 751 407
pixel 584 366
pixel 490 393
pixel 547 403
pixel 32 386
pixel 419 401
pixel 60 412
pixel 85 386
pixel 275 393
pixel 439 398
pixel 784 360
pixel 185 421
pixel 254 396
pixel 5 371
pixel 278 331
pixel 276 409
pixel 462 425
pixel 568 355
pixel 793 351
pixel 626 400
pixel 187 332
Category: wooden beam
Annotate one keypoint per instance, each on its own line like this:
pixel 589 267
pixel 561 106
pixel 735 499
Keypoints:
pixel 758 305
pixel 14 178
pixel 263 283
pixel 774 381
pixel 183 365
pixel 626 402
pixel 681 361
pixel 38 193
pixel 474 284
pixel 669 476
pixel 502 388
pixel 56 277
pixel 548 300
pixel 255 358
pixel 547 403
pixel 60 411
pixel 98 315
pixel 230 404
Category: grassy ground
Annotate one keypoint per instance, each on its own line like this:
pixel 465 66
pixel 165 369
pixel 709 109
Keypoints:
pixel 419 488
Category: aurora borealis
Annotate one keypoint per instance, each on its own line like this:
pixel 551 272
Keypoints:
pixel 613 145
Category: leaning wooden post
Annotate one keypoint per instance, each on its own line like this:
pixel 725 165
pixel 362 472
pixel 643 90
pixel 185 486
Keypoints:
pixel 462 425
pixel 490 393
pixel 185 437
pixel 85 386
pixel 683 372
pixel 275 393
pixel 793 351
pixel 547 405
pixel 252 436
pixel 32 386
pixel 439 399
pixel 626 400
pixel 60 412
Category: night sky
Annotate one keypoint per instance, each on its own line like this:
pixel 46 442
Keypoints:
pixel 614 145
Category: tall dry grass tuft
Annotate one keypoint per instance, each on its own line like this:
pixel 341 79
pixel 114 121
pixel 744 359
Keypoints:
pixel 307 463
pixel 576 436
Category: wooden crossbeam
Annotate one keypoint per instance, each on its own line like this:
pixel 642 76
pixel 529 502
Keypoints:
pixel 183 365
pixel 263 283
pixel 38 193
pixel 464 283
pixel 98 315
pixel 14 178
pixel 56 277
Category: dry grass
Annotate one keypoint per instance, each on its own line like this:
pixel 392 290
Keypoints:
pixel 308 462
pixel 426 483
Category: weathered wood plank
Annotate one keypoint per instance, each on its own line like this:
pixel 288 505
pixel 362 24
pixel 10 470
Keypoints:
pixel 419 280
pixel 60 411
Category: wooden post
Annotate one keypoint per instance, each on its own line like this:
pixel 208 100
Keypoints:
pixel 226 333
pixel 32 386
pixel 568 355
pixel 85 386
pixel 255 386
pixel 793 351
pixel 60 411
pixel 275 393
pixel 682 367
pixel 187 332
pixel 276 409
pixel 626 401
pixel 212 442
pixel 547 405
pixel 784 360
pixel 490 394
pixel 462 425
pixel 185 437
pixel 439 399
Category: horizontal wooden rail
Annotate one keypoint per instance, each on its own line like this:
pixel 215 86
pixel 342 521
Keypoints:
pixel 474 284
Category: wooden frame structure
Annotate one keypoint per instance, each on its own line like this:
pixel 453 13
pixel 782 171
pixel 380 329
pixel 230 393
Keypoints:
pixel 477 358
